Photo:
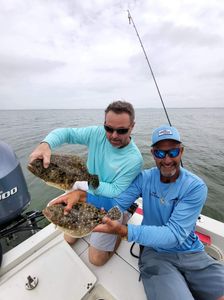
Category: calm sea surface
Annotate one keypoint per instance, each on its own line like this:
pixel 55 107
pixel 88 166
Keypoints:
pixel 202 132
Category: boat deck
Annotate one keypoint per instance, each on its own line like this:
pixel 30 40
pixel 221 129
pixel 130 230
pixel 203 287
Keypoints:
pixel 64 271
pixel 119 276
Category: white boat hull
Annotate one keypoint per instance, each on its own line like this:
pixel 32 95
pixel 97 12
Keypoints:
pixel 65 272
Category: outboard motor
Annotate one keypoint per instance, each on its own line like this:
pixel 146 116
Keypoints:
pixel 0 255
pixel 14 195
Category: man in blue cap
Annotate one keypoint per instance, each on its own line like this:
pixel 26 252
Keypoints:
pixel 173 263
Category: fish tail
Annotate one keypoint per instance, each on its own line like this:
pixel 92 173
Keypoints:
pixel 114 213
pixel 94 181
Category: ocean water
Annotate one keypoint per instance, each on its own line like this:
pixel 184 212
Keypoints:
pixel 202 132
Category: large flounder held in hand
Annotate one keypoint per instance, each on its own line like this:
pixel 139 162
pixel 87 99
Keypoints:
pixel 63 171
pixel 82 218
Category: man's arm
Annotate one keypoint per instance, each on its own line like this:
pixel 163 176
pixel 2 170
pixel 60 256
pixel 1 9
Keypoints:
pixel 122 181
pixel 60 136
pixel 179 226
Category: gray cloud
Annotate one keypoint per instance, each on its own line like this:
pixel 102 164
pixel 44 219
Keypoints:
pixel 17 67
pixel 186 36
pixel 74 54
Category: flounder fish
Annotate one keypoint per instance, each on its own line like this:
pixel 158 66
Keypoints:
pixel 82 218
pixel 63 171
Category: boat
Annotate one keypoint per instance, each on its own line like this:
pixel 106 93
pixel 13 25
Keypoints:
pixel 44 266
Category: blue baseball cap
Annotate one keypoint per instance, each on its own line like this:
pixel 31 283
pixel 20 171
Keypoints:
pixel 165 132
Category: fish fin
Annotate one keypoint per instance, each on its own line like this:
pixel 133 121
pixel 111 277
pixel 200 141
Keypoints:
pixel 115 213
pixel 55 185
pixel 73 233
pixel 94 181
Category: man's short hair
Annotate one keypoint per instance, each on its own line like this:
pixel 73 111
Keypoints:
pixel 119 107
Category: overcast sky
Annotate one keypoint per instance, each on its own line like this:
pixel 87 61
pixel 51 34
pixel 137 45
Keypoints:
pixel 85 54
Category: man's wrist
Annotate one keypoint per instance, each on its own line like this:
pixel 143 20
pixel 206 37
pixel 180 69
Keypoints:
pixel 44 142
pixel 83 196
pixel 124 232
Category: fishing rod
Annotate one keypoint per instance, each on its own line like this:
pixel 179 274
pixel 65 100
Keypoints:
pixel 157 87
pixel 131 21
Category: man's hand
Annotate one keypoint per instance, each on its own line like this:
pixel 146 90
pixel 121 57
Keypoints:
pixel 70 199
pixel 42 151
pixel 110 226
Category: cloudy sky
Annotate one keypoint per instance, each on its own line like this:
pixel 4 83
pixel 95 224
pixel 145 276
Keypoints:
pixel 85 54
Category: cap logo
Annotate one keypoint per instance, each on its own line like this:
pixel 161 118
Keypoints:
pixel 165 132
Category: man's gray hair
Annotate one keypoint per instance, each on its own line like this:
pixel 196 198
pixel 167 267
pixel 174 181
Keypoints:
pixel 119 107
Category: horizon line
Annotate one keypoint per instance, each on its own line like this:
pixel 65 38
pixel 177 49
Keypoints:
pixel 198 107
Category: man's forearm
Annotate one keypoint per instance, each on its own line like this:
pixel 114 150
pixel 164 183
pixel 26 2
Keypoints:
pixel 123 231
pixel 83 195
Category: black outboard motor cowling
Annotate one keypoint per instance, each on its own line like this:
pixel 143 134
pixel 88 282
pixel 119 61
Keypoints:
pixel 14 195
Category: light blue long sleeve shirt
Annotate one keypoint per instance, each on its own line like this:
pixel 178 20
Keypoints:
pixel 170 211
pixel 116 167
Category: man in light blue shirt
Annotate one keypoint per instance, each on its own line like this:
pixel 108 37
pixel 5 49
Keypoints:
pixel 112 155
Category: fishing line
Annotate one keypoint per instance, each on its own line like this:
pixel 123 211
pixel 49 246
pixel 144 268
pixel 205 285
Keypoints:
pixel 131 21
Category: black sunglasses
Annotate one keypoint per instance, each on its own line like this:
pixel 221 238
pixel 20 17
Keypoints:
pixel 118 130
pixel 172 153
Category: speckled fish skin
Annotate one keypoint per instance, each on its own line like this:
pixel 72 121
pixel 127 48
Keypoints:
pixel 63 171
pixel 81 220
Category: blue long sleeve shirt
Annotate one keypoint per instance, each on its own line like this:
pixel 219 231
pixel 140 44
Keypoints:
pixel 116 167
pixel 170 211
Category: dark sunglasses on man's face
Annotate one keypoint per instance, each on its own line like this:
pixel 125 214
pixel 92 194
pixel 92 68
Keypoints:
pixel 118 130
pixel 172 153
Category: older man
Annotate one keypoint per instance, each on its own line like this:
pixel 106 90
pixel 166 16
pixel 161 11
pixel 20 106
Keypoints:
pixel 173 263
